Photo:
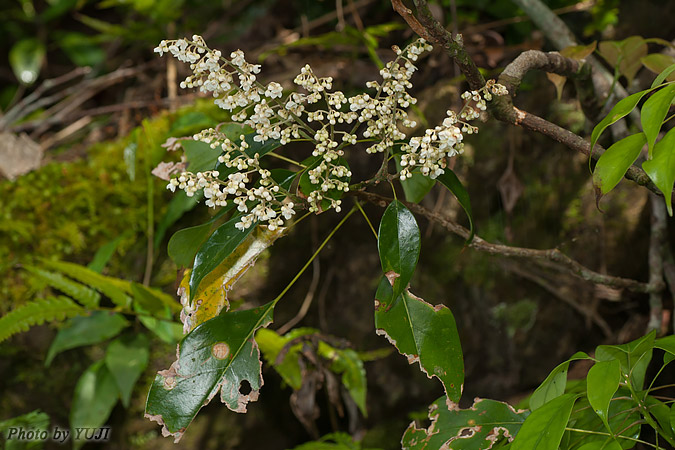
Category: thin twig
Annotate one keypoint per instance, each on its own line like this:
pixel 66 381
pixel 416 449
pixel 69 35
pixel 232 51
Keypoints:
pixel 656 243
pixel 565 262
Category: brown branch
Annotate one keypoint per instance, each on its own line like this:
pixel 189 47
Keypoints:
pixel 554 255
pixel 503 109
pixel 427 27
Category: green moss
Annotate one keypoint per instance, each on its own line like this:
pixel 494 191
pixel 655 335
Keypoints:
pixel 68 210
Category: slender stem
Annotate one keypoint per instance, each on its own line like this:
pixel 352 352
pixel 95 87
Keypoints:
pixel 289 160
pixel 600 433
pixel 316 253
pixel 363 213
pixel 150 256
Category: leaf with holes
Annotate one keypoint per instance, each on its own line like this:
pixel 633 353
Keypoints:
pixel 423 333
pixel 398 243
pixel 475 428
pixel 661 168
pixel 614 163
pixel 654 112
pixel 217 356
pixel 544 428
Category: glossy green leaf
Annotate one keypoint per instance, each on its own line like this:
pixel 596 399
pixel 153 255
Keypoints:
pixel 475 428
pixel 114 288
pixel 218 355
pixel 602 382
pixel 185 243
pixel 423 333
pixel 86 330
pixel 126 359
pixel 416 187
pixel 398 243
pixel 216 248
pixel 554 384
pixel 661 168
pixel 79 292
pixel 544 428
pixel 633 356
pixel 94 399
pixel 619 111
pixel 654 112
pixel 25 58
pixel 614 163
pixel 450 181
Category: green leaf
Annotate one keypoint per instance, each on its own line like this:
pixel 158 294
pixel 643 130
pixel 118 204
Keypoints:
pixel 113 288
pixel 450 181
pixel 661 168
pixel 347 362
pixel 544 428
pixel 423 333
pixel 81 293
pixel 475 428
pixel 153 301
pixel 126 359
pixel 634 357
pixel 217 247
pixel 602 382
pixel 86 330
pixel 654 112
pixel 614 163
pixel 624 421
pixel 185 243
pixel 666 344
pixel 271 344
pixel 554 384
pixel 620 110
pixel 661 412
pixel 164 327
pixel 599 445
pixel 218 355
pixel 36 313
pixel 416 187
pixel 398 243
pixel 104 253
pixel 94 399
pixel 661 64
pixel 672 416
pixel 26 57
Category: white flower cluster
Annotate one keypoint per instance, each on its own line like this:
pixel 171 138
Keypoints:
pixel 326 117
pixel 428 153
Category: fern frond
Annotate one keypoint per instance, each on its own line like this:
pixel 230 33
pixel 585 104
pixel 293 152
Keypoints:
pixel 36 313
pixel 113 288
pixel 83 294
